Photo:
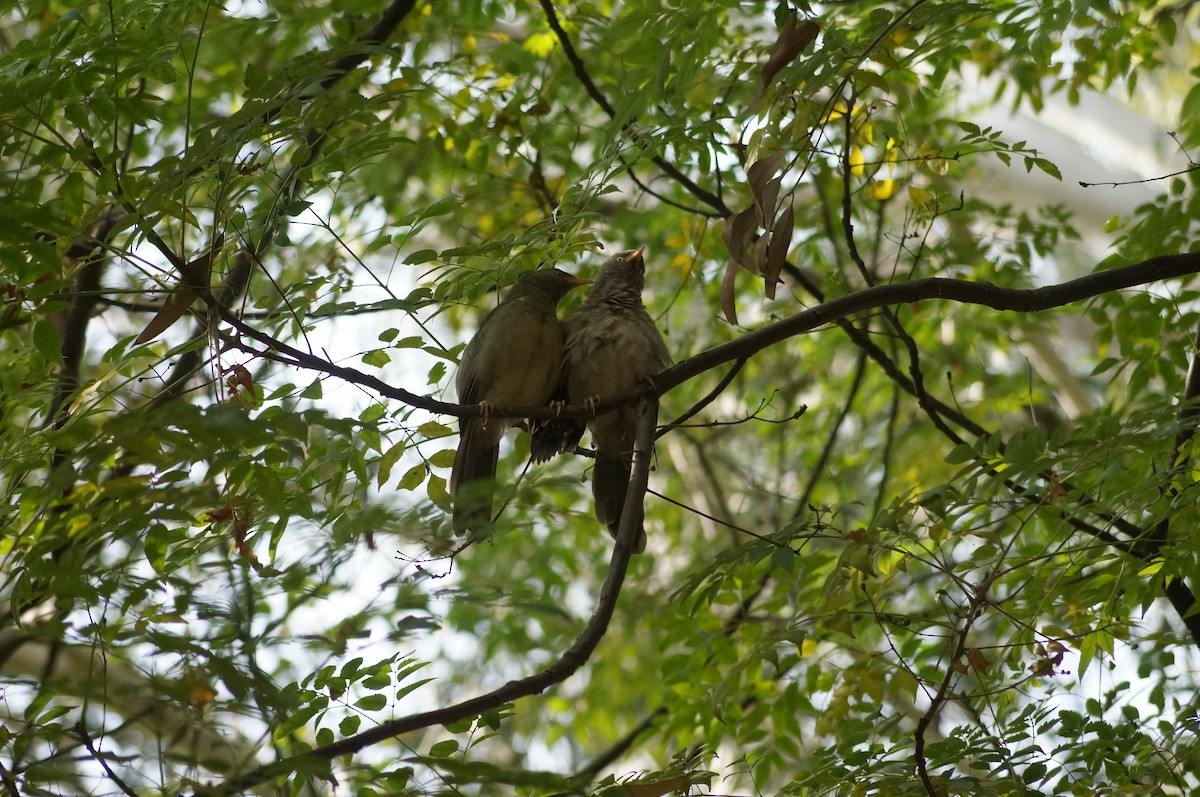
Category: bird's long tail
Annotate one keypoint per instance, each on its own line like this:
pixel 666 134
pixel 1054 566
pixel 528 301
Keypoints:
pixel 473 478
pixel 610 481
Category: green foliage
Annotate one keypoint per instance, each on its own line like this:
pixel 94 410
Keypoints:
pixel 931 549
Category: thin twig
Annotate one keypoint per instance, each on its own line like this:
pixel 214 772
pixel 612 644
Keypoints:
pixel 91 748
pixel 974 608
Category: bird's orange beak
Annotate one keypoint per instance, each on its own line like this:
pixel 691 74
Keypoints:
pixel 577 281
pixel 637 256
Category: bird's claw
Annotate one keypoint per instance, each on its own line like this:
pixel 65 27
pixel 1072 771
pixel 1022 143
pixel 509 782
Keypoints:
pixel 557 406
pixel 590 402
pixel 485 409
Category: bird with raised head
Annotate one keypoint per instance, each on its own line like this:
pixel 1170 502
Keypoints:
pixel 515 358
pixel 612 345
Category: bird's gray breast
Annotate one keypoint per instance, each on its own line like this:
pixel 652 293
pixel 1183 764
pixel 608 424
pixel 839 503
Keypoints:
pixel 610 350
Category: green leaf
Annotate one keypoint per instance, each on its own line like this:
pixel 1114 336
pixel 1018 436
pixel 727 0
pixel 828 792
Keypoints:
pixel 413 478
pixel 45 340
pixel 371 702
pixel 377 358
pixel 434 429
pixel 388 461
pixel 443 748
pixel 420 256
pixel 443 458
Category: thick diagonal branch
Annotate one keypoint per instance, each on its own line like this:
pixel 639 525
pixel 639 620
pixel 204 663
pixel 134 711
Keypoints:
pixel 833 311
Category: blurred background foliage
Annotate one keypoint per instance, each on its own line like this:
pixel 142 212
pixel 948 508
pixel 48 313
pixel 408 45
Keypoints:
pixel 934 549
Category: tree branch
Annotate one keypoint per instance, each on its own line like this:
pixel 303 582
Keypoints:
pixel 238 277
pixel 571 660
pixel 835 310
pixel 376 35
pixel 581 73
pixel 91 253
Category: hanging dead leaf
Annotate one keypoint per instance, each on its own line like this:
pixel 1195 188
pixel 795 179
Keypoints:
pixel 172 310
pixel 781 240
pixel 758 255
pixel 222 514
pixel 238 377
pixel 794 38
pixel 978 661
pixel 764 203
pixel 738 233
pixel 761 173
pixel 728 282
pixel 1056 488
pixel 194 278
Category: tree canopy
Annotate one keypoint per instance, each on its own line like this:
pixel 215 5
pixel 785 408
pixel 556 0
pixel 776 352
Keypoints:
pixel 920 489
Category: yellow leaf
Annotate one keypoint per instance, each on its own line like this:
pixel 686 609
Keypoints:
pixel 919 196
pixel 469 45
pixel 1152 568
pixel 540 44
pixel 839 110
pixel 881 189
pixel 808 647
pixel 504 82
pixel 200 691
pixel 856 160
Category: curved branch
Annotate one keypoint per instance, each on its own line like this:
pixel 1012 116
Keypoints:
pixel 376 35
pixel 577 66
pixel 942 288
pixel 91 253
pixel 571 660
pixel 833 311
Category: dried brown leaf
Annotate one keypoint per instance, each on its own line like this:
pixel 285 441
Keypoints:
pixel 758 257
pixel 172 310
pixel 979 662
pixel 761 173
pixel 195 277
pixel 739 233
pixel 728 282
pixel 781 240
pixel 764 203
pixel 793 39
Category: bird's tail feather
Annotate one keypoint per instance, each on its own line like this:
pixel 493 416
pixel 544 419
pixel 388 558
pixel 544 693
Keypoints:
pixel 610 482
pixel 473 480
pixel 553 437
